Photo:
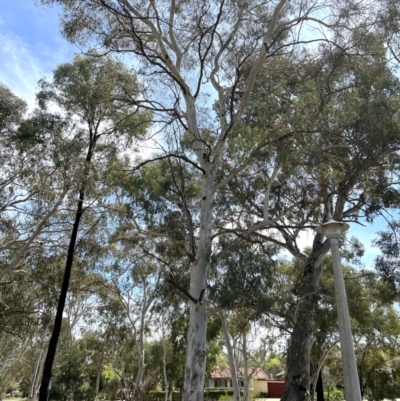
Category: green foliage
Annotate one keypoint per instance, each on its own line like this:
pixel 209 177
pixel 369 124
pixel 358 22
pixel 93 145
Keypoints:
pixel 158 395
pixel 35 129
pixel 73 376
pixel 387 263
pixel 215 343
pixel 111 383
pixel 334 394
pixel 274 365
pixel 12 109
pixel 212 393
pixel 245 275
pixel 375 327
pixel 96 89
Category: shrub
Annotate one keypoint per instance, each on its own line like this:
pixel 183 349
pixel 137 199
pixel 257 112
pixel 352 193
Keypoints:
pixel 159 395
pixel 334 394
pixel 210 394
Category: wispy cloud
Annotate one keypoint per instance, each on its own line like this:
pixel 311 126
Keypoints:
pixel 20 69
pixel 31 47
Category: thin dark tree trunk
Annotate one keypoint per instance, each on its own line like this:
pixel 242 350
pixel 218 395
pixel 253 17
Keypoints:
pixel 320 387
pixel 51 351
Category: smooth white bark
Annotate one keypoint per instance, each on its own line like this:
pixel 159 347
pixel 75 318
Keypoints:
pixel 231 358
pixel 35 378
pixel 196 338
pixel 166 387
pixel 246 395
pixel 98 375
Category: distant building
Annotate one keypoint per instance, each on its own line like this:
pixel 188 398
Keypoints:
pixel 261 381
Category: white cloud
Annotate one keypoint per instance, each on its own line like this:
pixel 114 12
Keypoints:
pixel 22 66
pixel 20 69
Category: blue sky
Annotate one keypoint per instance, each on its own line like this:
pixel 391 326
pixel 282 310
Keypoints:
pixel 32 47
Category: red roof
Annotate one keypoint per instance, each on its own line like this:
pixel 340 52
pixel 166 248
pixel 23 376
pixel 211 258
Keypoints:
pixel 221 374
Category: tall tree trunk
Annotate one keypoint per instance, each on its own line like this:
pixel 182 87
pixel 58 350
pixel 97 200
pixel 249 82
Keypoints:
pixel 51 352
pixel 320 387
pixel 369 395
pixel 297 383
pixel 98 375
pixel 246 395
pixel 313 379
pixel 35 377
pixel 139 339
pixel 39 379
pixel 139 394
pixel 3 390
pixel 166 387
pixel 138 389
pixel 193 384
pixel 231 359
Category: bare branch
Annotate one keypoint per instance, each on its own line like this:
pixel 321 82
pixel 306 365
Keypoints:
pixel 181 289
pixel 181 157
pixel 38 230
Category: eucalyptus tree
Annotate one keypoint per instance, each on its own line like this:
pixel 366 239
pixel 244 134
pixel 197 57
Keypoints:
pixel 130 304
pixel 31 184
pixel 242 280
pixel 26 309
pixel 335 157
pixel 92 92
pixel 186 52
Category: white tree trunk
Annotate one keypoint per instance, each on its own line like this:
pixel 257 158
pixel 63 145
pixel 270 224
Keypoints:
pixel 138 395
pixel 246 395
pixel 3 390
pixel 231 359
pixel 35 377
pixel 193 385
pixel 98 376
pixel 164 359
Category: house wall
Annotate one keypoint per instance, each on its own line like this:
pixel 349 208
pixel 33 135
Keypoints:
pixel 219 383
pixel 224 383
pixel 260 386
